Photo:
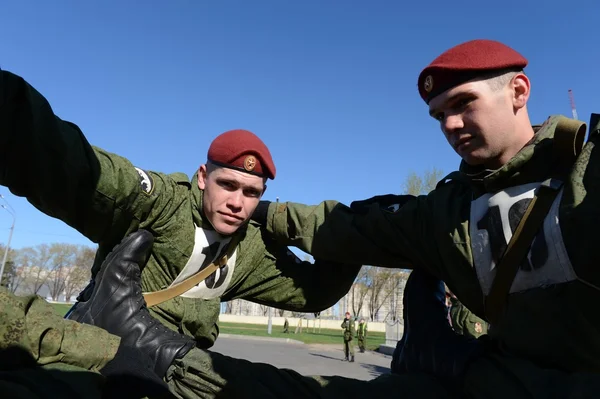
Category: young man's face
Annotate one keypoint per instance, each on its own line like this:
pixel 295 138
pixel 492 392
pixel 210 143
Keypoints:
pixel 230 196
pixel 477 121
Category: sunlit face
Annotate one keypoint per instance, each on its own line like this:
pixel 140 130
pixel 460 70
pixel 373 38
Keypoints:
pixel 478 122
pixel 230 196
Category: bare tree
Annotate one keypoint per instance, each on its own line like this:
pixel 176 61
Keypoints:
pixel 417 185
pixel 21 269
pixel 359 290
pixel 281 312
pixel 377 278
pixel 413 184
pixel 264 309
pixel 34 261
pixel 394 293
pixel 229 307
pixel 79 273
pixel 9 277
pixel 60 265
pixel 431 178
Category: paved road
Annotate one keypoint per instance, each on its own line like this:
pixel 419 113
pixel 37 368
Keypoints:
pixel 306 359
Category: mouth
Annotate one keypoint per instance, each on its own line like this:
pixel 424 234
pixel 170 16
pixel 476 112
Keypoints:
pixel 462 142
pixel 231 216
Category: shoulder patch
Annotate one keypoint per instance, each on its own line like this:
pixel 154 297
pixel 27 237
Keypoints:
pixel 145 181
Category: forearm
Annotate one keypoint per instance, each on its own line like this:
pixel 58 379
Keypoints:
pixel 32 325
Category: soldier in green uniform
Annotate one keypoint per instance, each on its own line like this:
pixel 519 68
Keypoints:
pixel 348 334
pixel 361 334
pixel 286 326
pixel 465 322
pixel 197 224
pixel 543 336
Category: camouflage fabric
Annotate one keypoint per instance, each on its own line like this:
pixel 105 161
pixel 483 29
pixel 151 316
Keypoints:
pixel 31 324
pixel 105 197
pixel 464 322
pixel 550 318
pixel 361 334
pixel 349 331
pixel 43 355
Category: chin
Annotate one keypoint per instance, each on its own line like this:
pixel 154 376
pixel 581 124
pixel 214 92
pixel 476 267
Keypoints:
pixel 226 228
pixel 474 159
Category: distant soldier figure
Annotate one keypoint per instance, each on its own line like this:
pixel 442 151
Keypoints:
pixel 286 326
pixel 348 326
pixel 361 334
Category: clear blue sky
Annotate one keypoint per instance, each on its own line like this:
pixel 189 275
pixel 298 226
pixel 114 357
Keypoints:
pixel 329 85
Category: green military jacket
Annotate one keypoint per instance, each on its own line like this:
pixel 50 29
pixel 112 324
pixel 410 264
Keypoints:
pixel 361 331
pixel 458 231
pixel 105 197
pixel 464 322
pixel 348 327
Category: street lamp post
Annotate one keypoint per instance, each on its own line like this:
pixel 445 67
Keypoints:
pixel 12 228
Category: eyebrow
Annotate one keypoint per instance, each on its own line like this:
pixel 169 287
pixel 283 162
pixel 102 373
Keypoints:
pixel 450 100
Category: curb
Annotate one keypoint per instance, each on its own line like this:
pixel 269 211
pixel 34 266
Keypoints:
pixel 267 339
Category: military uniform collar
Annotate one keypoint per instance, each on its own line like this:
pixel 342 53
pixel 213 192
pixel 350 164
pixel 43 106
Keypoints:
pixel 522 168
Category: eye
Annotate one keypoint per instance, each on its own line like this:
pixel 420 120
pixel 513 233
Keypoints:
pixel 463 103
pixel 252 193
pixel 227 185
pixel 438 117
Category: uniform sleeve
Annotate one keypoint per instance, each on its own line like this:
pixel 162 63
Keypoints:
pixel 378 237
pixel 280 279
pixel 49 162
pixel 474 326
pixel 30 324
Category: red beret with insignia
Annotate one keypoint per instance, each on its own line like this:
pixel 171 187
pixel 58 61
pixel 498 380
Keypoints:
pixel 242 150
pixel 464 62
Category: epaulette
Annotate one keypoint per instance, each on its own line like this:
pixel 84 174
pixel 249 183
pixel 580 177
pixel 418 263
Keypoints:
pixel 181 178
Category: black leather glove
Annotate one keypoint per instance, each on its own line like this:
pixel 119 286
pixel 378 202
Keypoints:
pixel 260 213
pixel 390 202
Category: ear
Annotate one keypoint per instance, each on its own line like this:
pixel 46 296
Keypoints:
pixel 202 177
pixel 521 88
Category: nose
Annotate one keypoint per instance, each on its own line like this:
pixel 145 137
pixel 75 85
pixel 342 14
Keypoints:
pixel 452 124
pixel 234 201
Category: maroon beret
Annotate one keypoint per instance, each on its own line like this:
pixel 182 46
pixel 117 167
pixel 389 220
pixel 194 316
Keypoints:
pixel 242 150
pixel 464 62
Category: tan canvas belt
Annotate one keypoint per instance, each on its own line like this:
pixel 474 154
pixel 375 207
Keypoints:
pixel 156 297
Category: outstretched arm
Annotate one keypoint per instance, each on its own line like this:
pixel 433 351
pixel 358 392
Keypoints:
pixel 374 234
pixel 280 279
pixel 50 162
